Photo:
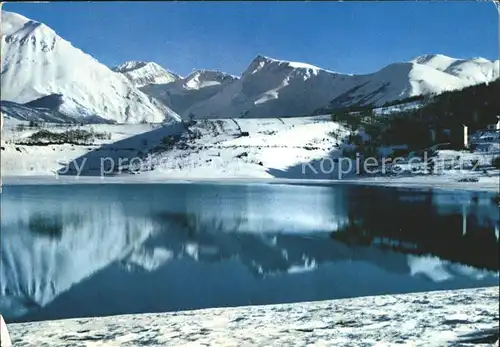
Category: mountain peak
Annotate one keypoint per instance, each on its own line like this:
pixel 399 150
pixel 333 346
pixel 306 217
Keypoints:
pixel 428 58
pixel 130 65
pixel 261 61
pixel 13 17
pixel 481 60
pixel 37 62
pixel 16 27
pixel 141 73
pixel 11 22
pixel 439 62
pixel 263 58
pixel 208 73
pixel 202 78
pixel 425 58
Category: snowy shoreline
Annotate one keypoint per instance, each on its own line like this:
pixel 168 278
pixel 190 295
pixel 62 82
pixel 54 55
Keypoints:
pixel 466 317
pixel 403 182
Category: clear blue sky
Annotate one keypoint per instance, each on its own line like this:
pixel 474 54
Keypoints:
pixel 350 37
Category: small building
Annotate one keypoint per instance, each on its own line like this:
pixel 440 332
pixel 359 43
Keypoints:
pixel 457 135
pixel 465 136
pixel 495 126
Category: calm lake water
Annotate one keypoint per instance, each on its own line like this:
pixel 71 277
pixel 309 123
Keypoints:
pixel 94 250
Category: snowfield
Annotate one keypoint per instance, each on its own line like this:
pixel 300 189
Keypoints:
pixel 211 148
pixel 443 318
pixel 181 94
pixel 270 150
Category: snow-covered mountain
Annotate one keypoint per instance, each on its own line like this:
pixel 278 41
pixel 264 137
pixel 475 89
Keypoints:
pixel 269 88
pixel 276 88
pixel 54 108
pixel 475 70
pixel 36 62
pixel 181 94
pixel 141 73
pixel 394 82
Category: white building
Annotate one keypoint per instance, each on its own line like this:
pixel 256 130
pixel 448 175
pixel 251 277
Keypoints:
pixel 466 136
pixel 495 126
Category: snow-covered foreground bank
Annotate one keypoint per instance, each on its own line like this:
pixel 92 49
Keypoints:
pixel 445 318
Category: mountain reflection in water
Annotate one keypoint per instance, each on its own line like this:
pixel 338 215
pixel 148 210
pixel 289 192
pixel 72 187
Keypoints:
pixel 93 250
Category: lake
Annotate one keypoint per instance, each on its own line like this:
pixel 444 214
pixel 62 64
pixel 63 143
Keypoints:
pixel 105 249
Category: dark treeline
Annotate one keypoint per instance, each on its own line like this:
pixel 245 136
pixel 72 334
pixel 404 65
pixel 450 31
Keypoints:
pixel 71 136
pixel 477 107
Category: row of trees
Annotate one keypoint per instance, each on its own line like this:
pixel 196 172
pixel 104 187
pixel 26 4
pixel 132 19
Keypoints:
pixel 388 130
pixel 72 136
pixel 32 124
pixel 475 106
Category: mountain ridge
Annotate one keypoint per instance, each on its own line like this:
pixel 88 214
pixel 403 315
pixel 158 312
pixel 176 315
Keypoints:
pixel 198 86
pixel 268 85
pixel 36 62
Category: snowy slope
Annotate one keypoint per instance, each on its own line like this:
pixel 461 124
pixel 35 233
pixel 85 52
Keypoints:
pixel 54 108
pixel 275 149
pixel 276 88
pixel 476 70
pixel 65 112
pixel 36 62
pixel 217 149
pixel 14 111
pixel 436 61
pixel 200 85
pixel 141 73
pixel 58 103
pixel 405 106
pixel 398 81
